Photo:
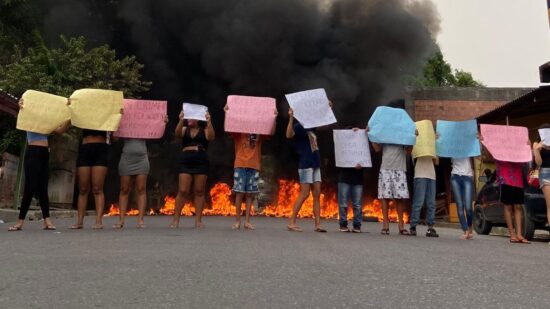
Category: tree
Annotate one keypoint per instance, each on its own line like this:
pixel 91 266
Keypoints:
pixel 439 73
pixel 18 27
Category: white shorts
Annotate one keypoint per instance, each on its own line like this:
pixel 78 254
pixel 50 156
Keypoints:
pixel 392 185
pixel 309 175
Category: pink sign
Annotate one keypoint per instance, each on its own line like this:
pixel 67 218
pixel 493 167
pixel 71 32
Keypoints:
pixel 507 143
pixel 250 115
pixel 142 119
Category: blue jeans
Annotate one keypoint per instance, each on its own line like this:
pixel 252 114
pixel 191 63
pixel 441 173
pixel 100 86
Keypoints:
pixel 356 192
pixel 462 191
pixel 424 191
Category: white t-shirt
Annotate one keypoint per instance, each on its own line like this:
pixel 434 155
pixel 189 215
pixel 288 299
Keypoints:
pixel 424 168
pixel 462 167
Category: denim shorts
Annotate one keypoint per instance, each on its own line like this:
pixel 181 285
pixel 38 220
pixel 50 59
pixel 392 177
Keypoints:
pixel 544 177
pixel 245 180
pixel 310 175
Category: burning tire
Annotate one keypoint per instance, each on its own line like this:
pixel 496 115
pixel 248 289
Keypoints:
pixel 481 225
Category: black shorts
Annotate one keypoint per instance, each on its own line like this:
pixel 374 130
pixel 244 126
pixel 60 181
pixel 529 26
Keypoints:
pixel 194 163
pixel 510 195
pixel 92 154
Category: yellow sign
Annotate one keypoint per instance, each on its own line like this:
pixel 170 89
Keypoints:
pixel 96 109
pixel 42 112
pixel 425 141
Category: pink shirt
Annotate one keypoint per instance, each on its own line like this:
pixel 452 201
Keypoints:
pixel 509 173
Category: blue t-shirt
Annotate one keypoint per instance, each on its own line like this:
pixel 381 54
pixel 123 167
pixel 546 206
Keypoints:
pixel 307 147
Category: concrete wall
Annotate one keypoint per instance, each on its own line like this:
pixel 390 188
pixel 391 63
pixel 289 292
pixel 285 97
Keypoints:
pixel 8 177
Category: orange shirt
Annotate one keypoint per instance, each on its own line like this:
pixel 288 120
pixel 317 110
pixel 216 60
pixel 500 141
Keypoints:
pixel 248 150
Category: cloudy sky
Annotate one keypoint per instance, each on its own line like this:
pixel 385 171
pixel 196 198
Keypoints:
pixel 502 42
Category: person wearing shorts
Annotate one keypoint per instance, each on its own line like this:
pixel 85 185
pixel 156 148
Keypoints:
pixel 541 153
pixel 392 182
pixel 246 174
pixel 510 179
pixel 309 171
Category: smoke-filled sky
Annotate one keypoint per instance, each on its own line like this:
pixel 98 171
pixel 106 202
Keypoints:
pixel 360 51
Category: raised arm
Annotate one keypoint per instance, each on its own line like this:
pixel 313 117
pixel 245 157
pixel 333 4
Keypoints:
pixel 290 127
pixel 180 128
pixel 209 132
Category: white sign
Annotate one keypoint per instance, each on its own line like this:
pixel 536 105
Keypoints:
pixel 545 136
pixel 351 148
pixel 311 108
pixel 194 111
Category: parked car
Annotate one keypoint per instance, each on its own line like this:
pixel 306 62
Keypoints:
pixel 489 212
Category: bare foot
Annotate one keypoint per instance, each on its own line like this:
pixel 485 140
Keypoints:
pixel 248 226
pixel 236 226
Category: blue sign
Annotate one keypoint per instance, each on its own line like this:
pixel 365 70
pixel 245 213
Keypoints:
pixel 457 139
pixel 391 126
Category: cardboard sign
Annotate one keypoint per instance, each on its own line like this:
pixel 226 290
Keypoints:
pixel 507 143
pixel 142 119
pixel 96 109
pixel 351 148
pixel 545 136
pixel 391 126
pixel 254 115
pixel 194 111
pixel 42 112
pixel 425 141
pixel 311 108
pixel 457 139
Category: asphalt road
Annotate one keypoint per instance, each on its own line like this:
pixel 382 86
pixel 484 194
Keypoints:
pixel 216 267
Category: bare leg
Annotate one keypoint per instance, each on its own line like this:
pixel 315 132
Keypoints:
pixel 141 192
pixel 125 186
pixel 184 185
pixel 249 200
pixel 518 217
pixel 199 184
pixel 385 215
pixel 83 191
pixel 399 205
pixel 98 179
pixel 317 204
pixel 238 203
pixel 509 222
pixel 546 191
pixel 305 188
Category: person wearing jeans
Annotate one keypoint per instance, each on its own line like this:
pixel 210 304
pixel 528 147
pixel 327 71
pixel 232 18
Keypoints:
pixel 462 186
pixel 424 192
pixel 350 185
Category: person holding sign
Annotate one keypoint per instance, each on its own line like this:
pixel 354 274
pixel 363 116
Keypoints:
pixel 392 182
pixel 462 185
pixel 36 175
pixel 350 186
pixel 194 165
pixel 248 153
pixel 541 151
pixel 309 171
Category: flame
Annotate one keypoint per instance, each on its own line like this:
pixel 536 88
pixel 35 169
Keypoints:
pixel 222 205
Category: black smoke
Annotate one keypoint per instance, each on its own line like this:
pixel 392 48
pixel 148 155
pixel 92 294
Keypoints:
pixel 360 51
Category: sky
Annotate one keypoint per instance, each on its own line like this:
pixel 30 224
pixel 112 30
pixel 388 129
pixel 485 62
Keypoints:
pixel 501 42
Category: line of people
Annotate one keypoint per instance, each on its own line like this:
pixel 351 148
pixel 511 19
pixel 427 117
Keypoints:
pixel 194 167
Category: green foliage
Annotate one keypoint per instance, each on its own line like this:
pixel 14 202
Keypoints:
pixel 18 24
pixel 10 139
pixel 72 66
pixel 439 73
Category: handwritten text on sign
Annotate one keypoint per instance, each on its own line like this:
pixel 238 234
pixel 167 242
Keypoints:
pixel 507 143
pixel 96 109
pixel 425 141
pixel 389 125
pixel 250 115
pixel 351 148
pixel 194 111
pixel 42 112
pixel 311 108
pixel 142 119
pixel 457 139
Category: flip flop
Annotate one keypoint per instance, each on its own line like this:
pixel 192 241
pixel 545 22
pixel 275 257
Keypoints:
pixel 514 241
pixel 320 230
pixel 404 232
pixel 385 231
pixel 97 227
pixel 524 241
pixel 248 226
pixel 76 227
pixel 118 226
pixel 15 228
pixel 236 226
pixel 49 228
pixel 141 226
pixel 294 228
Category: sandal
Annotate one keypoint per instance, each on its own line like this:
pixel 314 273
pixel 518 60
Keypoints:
pixel 514 241
pixel 294 228
pixel 248 226
pixel 49 228
pixel 141 226
pixel 385 231
pixel 404 232
pixel 320 230
pixel 236 226
pixel 97 227
pixel 524 241
pixel 76 227
pixel 15 228
pixel 118 226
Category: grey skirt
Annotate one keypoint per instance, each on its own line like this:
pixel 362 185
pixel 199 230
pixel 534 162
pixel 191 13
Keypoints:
pixel 133 164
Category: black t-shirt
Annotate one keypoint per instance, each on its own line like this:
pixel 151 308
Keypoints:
pixel 545 156
pixel 351 176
